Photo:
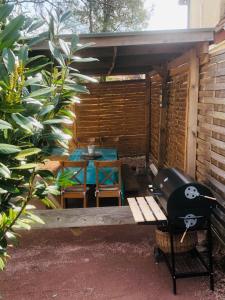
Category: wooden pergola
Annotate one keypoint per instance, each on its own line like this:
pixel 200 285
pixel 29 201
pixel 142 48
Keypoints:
pixel 135 52
pixel 149 52
pixel 146 52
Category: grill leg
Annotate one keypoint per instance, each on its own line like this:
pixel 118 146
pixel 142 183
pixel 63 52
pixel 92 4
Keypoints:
pixel 173 262
pixel 209 238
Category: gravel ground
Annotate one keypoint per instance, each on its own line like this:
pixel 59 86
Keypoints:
pixel 95 263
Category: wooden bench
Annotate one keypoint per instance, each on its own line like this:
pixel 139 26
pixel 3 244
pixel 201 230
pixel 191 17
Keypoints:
pixel 141 210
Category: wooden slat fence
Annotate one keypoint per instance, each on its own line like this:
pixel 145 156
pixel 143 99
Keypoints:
pixel 156 93
pixel 176 131
pixel 211 121
pixel 114 115
pixel 177 118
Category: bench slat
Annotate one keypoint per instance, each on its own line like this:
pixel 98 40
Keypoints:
pixel 138 217
pixel 155 208
pixel 145 209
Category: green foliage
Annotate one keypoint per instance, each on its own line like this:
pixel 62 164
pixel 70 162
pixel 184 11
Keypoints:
pixel 111 15
pixel 35 98
pixel 95 15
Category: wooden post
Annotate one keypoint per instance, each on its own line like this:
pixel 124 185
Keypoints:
pixel 163 119
pixel 192 113
pixel 148 119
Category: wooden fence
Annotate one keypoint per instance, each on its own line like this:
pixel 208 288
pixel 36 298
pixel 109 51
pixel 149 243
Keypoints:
pixel 176 114
pixel 156 94
pixel 113 115
pixel 211 121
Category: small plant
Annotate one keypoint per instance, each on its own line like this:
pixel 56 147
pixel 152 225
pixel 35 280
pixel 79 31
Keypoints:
pixel 36 94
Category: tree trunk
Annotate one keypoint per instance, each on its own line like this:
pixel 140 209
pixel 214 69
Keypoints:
pixel 90 15
pixel 106 15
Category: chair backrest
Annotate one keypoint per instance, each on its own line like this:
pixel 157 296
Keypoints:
pixel 108 173
pixel 77 172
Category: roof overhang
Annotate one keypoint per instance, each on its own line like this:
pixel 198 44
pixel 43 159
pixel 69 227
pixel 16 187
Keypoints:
pixel 135 52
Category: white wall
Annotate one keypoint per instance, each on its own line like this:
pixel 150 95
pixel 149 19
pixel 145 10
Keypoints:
pixel 205 13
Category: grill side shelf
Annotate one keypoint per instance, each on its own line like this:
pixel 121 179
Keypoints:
pixel 145 210
pixel 137 214
pixel 155 208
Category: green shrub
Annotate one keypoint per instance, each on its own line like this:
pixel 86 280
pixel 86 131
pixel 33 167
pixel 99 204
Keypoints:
pixel 35 98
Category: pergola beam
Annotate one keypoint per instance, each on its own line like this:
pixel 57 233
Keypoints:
pixel 141 38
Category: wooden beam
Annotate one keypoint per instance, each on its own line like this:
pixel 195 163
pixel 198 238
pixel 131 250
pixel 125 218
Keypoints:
pixel 141 38
pixel 84 217
pixel 148 118
pixel 119 71
pixel 174 49
pixel 123 62
pixel 192 116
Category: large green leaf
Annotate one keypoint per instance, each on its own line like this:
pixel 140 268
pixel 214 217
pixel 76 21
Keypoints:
pixel 26 166
pixel 23 54
pixel 64 46
pixel 9 59
pixel 4 78
pixel 40 92
pixel 5 11
pixel 23 122
pixel 9 149
pixel 27 152
pixel 34 58
pixel 85 77
pixel 32 81
pixel 10 34
pixel 38 39
pixel 57 134
pixel 12 109
pixel 32 106
pixel 79 59
pixel 34 218
pixel 83 46
pixel 58 121
pixel 36 69
pixel 5 125
pixel 54 150
pixel 45 110
pixel 56 54
pixel 36 123
pixel 76 88
pixel 35 25
pixel 74 42
pixel 4 171
pixel 46 174
pixel 48 202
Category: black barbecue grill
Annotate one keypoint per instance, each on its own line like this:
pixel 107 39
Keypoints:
pixel 185 201
pixel 188 206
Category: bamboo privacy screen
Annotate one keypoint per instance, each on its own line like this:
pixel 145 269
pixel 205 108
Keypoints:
pixel 113 115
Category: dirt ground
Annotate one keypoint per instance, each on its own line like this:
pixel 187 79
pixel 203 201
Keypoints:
pixel 93 263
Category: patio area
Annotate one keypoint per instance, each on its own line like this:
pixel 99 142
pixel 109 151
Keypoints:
pixel 93 263
pixel 112 163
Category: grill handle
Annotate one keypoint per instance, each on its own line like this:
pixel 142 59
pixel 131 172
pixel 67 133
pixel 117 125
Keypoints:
pixel 207 197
